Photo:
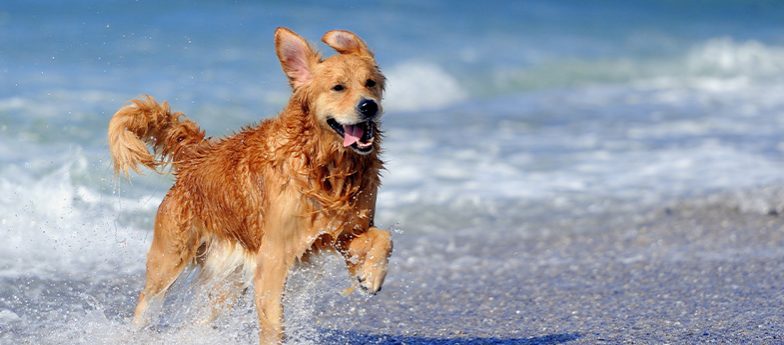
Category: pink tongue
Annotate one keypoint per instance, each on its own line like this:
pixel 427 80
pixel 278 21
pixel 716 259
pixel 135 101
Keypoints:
pixel 351 134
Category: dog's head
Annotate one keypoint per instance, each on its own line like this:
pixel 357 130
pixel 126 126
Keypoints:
pixel 343 91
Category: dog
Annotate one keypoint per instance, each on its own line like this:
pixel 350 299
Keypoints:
pixel 258 202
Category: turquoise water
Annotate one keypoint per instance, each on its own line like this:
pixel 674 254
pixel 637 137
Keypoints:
pixel 497 113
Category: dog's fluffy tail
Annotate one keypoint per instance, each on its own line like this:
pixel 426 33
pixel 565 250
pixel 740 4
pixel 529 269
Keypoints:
pixel 143 122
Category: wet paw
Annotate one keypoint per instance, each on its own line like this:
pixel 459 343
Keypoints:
pixel 365 286
pixel 369 258
pixel 372 279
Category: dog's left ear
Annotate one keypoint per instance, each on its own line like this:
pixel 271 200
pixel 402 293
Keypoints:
pixel 346 42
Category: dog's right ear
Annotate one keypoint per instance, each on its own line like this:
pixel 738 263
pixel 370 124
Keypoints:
pixel 296 57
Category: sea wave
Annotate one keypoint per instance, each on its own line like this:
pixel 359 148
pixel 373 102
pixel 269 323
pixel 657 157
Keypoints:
pixel 716 63
pixel 52 225
pixel 421 86
pixel 725 56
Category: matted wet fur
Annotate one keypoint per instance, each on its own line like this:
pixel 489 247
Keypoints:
pixel 255 203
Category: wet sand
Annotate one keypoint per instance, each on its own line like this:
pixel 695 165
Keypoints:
pixel 695 271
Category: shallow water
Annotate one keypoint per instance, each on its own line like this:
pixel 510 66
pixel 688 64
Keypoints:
pixel 521 140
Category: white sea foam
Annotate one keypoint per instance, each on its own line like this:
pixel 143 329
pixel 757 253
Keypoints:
pixel 726 56
pixel 180 322
pixel 421 86
pixel 652 175
pixel 94 327
pixel 52 226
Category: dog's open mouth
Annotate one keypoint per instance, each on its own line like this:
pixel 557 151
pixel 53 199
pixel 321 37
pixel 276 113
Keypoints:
pixel 358 136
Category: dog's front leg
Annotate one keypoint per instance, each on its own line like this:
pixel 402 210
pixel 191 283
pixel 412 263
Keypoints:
pixel 367 257
pixel 268 282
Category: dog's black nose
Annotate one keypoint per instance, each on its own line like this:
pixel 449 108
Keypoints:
pixel 368 108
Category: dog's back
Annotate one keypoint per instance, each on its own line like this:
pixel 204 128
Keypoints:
pixel 219 183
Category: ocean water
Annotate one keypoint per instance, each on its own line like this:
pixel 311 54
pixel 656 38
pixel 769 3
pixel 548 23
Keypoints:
pixel 500 117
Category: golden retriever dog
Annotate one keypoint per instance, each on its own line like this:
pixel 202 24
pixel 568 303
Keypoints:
pixel 254 204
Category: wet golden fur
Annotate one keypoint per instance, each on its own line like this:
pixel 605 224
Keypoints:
pixel 261 199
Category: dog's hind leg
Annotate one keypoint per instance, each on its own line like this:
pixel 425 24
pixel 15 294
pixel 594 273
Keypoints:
pixel 273 264
pixel 173 247
pixel 367 257
pixel 225 293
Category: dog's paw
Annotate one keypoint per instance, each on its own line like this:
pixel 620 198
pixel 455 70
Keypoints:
pixel 368 287
pixel 368 259
pixel 371 276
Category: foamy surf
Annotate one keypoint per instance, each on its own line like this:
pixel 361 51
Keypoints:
pixel 53 226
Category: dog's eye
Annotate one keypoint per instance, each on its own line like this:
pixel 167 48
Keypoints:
pixel 370 83
pixel 338 88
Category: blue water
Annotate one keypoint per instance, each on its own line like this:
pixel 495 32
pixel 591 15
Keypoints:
pixel 496 113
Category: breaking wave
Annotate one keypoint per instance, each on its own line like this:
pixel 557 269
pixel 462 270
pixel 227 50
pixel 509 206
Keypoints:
pixel 421 86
